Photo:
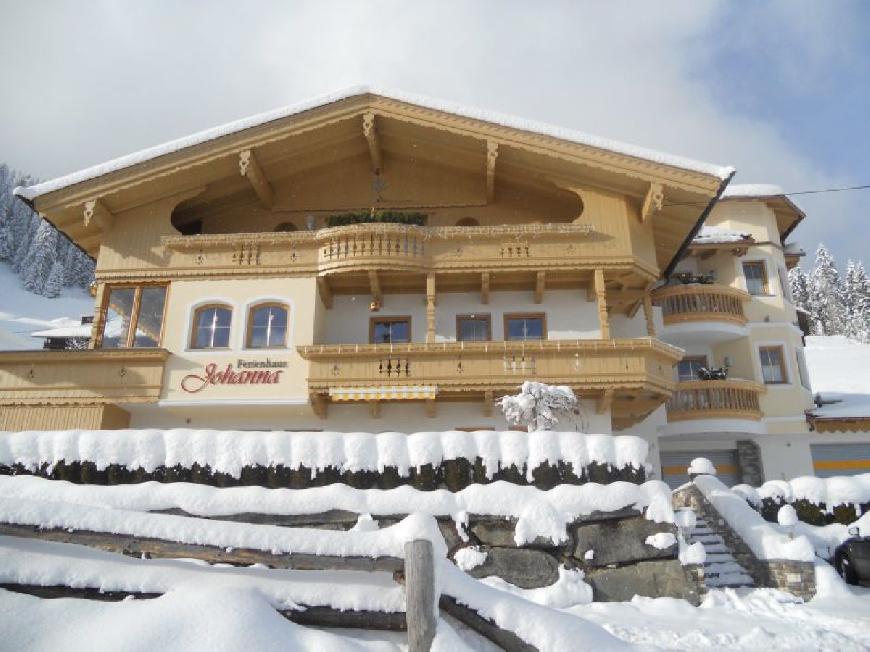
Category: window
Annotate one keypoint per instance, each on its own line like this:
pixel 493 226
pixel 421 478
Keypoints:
pixel 267 326
pixel 687 368
pixel 132 316
pixel 756 278
pixel 525 327
pixel 390 330
pixel 772 365
pixel 211 327
pixel 473 328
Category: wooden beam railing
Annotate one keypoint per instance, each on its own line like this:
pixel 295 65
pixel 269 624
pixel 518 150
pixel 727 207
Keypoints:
pixel 692 303
pixel 715 399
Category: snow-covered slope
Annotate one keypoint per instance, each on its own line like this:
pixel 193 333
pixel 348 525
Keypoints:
pixel 22 312
pixel 840 371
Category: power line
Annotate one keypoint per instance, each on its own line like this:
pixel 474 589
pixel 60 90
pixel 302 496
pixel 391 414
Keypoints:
pixel 786 194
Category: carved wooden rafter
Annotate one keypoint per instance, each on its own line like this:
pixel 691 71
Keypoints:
pixel 371 134
pixel 325 291
pixel 653 202
pixel 540 284
pixel 491 156
pixel 95 213
pixel 250 168
pixel 648 316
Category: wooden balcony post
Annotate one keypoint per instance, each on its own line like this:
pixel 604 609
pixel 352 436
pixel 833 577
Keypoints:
pixel 648 315
pixel 430 308
pixel 601 296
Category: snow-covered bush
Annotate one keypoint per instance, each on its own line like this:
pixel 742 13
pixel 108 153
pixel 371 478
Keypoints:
pixel 701 466
pixel 539 406
pixel 787 516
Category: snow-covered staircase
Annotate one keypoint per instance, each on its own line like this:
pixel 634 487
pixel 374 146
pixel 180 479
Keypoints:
pixel 721 570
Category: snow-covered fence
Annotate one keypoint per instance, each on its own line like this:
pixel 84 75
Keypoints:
pixel 425 460
pixel 817 501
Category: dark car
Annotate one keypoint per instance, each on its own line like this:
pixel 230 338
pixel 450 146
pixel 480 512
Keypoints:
pixel 852 558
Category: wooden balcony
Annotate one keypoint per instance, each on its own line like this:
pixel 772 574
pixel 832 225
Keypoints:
pixel 701 303
pixel 515 255
pixel 89 376
pixel 715 399
pixel 633 376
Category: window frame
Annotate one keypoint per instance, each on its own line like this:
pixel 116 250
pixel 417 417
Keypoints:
pixel 764 275
pixel 783 365
pixel 508 316
pixel 249 325
pixel 481 316
pixel 390 319
pixel 691 358
pixel 194 327
pixel 134 313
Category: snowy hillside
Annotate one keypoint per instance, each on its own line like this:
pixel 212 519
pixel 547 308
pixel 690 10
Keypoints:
pixel 22 312
pixel 840 371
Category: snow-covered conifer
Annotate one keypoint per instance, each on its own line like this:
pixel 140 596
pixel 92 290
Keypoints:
pixel 825 295
pixel 40 258
pixel 800 290
pixel 54 282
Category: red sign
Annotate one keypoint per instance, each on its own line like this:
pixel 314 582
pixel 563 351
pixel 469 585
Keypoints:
pixel 193 383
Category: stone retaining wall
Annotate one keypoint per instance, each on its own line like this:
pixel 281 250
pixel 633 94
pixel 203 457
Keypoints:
pixel 795 577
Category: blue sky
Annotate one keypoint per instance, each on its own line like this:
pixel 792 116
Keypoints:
pixel 780 89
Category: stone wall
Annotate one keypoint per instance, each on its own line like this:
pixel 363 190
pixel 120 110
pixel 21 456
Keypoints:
pixel 749 459
pixel 795 577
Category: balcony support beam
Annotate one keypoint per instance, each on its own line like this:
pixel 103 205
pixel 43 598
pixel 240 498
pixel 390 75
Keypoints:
pixel 325 291
pixel 484 287
pixel 375 409
pixel 319 405
pixel 431 408
pixel 371 135
pixel 95 213
pixel 648 316
pixel 540 283
pixel 430 308
pixel 488 402
pixel 604 402
pixel 250 168
pixel 601 296
pixel 491 157
pixel 377 295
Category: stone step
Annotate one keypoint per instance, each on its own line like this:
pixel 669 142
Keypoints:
pixel 712 539
pixel 700 532
pixel 719 557
pixel 714 548
pixel 721 568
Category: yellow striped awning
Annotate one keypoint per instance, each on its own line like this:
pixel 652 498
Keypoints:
pixel 396 393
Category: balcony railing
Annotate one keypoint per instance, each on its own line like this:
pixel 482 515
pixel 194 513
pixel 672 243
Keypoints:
pixel 697 302
pixel 639 370
pixel 81 377
pixel 715 399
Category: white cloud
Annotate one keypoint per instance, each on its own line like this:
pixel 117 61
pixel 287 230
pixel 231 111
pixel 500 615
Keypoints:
pixel 89 81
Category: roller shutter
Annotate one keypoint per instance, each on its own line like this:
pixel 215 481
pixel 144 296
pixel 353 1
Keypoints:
pixel 840 459
pixel 675 463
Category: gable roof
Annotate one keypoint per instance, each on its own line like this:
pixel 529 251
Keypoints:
pixel 788 214
pixel 30 193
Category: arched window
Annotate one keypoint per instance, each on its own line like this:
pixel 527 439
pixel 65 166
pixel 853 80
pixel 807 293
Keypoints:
pixel 267 326
pixel 468 221
pixel 285 227
pixel 211 327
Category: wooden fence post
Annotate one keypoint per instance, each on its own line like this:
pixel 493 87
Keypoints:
pixel 420 595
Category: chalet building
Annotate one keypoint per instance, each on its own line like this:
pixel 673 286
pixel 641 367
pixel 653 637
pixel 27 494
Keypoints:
pixel 372 261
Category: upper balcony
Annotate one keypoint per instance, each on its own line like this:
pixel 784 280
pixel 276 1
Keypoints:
pixel 630 376
pixel 701 313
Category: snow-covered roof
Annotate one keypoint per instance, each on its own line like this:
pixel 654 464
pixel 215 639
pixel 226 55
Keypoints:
pixel 715 235
pixel 31 192
pixel 838 372
pixel 752 190
pixel 81 330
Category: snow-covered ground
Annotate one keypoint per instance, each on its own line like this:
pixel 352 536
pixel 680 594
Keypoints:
pixel 22 312
pixel 838 371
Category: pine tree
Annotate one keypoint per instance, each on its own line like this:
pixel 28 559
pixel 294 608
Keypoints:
pixel 40 258
pixel 856 303
pixel 54 282
pixel 800 288
pixel 825 295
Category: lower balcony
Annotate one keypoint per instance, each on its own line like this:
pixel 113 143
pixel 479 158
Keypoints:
pixel 729 400
pixel 630 377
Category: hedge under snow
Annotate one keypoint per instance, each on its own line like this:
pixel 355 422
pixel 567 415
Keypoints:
pixel 830 492
pixel 228 451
